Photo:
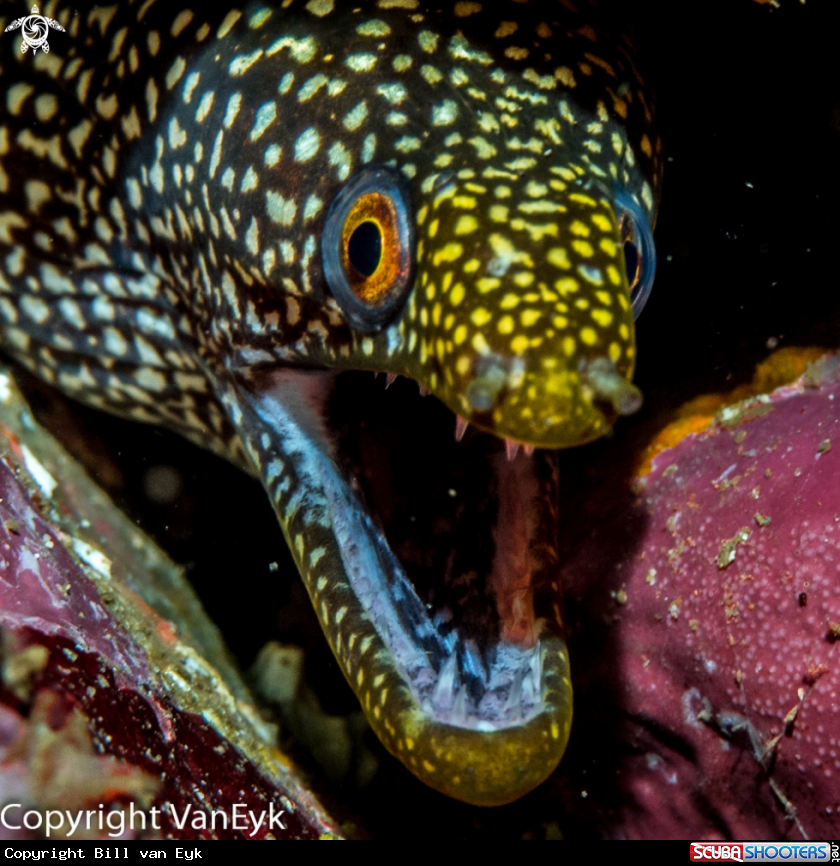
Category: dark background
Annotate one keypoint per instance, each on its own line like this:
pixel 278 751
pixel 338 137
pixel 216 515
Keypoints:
pixel 749 106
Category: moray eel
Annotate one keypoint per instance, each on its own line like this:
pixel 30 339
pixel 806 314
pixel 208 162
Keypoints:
pixel 207 219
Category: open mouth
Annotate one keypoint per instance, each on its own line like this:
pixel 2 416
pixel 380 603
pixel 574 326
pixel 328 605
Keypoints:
pixel 465 543
pixel 430 560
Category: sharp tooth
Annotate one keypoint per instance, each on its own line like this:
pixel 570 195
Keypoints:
pixel 444 692
pixel 513 705
pixel 390 379
pixel 528 696
pixel 461 425
pixel 528 449
pixel 473 665
pixel 511 448
pixel 458 714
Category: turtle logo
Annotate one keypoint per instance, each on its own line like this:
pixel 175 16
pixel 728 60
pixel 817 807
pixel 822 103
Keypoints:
pixel 34 29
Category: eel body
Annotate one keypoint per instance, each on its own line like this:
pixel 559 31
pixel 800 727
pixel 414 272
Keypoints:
pixel 208 219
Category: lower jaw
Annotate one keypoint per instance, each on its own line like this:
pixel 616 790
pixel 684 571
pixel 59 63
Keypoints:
pixel 485 768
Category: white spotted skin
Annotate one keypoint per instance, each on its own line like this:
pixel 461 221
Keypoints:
pixel 165 176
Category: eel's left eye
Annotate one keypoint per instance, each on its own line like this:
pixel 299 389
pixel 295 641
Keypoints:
pixel 639 249
pixel 368 247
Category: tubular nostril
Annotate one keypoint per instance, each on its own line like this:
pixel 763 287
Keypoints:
pixel 605 383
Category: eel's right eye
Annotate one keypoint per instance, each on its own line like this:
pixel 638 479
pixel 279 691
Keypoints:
pixel 368 247
pixel 639 249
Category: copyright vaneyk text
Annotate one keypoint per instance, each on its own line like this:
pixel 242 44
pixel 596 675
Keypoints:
pixel 58 822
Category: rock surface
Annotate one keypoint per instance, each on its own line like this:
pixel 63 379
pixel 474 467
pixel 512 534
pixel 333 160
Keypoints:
pixel 708 594
pixel 117 691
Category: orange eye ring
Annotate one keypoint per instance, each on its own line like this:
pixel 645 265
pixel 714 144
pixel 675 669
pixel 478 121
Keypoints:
pixel 377 211
pixel 368 247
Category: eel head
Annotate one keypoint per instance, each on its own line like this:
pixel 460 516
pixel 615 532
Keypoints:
pixel 431 559
pixel 499 268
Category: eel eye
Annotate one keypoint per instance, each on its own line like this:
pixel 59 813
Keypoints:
pixel 368 247
pixel 639 249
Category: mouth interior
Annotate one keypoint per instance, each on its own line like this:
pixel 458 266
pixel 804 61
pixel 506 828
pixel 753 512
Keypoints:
pixel 437 537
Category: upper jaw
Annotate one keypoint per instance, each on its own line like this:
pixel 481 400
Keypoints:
pixel 432 665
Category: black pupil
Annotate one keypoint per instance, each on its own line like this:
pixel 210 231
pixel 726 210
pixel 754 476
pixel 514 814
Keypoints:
pixel 632 260
pixel 364 249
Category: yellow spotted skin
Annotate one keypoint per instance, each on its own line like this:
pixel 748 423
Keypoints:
pixel 166 171
pixel 544 311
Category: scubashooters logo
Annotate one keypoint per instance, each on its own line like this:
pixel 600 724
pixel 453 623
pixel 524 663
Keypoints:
pixel 35 28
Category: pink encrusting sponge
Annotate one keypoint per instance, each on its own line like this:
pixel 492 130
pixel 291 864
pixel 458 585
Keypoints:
pixel 716 583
